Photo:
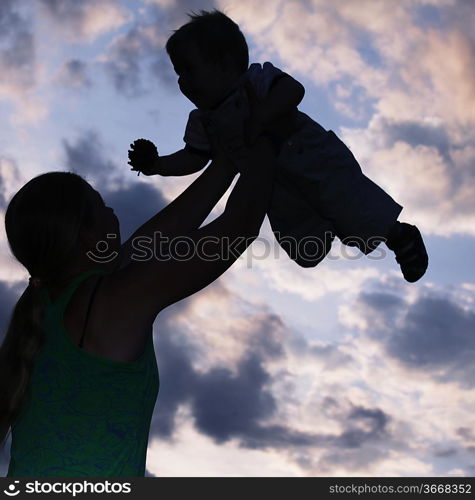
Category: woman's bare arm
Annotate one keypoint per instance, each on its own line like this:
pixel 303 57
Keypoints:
pixel 188 211
pixel 149 286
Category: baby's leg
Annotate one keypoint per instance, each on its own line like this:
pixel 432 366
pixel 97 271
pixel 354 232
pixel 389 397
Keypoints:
pixel 332 182
pixel 304 235
pixel 362 213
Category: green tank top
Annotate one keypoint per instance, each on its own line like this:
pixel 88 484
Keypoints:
pixel 87 416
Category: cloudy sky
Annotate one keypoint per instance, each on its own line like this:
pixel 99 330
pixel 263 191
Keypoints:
pixel 343 369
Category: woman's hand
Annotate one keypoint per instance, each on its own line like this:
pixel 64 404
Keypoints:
pixel 253 128
pixel 143 157
pixel 254 123
pixel 222 154
pixel 262 160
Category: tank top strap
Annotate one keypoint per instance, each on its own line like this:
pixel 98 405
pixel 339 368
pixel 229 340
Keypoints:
pixel 91 298
pixel 63 299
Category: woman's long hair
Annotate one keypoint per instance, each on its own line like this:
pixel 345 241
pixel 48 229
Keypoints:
pixel 42 223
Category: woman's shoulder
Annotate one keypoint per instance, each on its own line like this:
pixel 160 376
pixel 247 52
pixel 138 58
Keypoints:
pixel 126 286
pixel 119 324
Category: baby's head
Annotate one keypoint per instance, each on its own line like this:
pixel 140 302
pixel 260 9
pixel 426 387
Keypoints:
pixel 209 54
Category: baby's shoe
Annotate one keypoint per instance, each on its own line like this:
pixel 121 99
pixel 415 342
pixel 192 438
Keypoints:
pixel 406 242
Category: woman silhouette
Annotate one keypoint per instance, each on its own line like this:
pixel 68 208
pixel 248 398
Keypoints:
pixel 78 373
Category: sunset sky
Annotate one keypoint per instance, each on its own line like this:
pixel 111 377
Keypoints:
pixel 343 369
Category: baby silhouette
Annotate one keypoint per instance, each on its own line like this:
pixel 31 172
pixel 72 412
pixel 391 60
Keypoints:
pixel 319 189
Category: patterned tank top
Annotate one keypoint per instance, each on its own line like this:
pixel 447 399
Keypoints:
pixel 86 416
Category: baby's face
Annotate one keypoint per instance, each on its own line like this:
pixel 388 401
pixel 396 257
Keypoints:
pixel 204 83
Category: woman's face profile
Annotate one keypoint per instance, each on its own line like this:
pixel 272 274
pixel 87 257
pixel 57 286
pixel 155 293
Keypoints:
pixel 105 231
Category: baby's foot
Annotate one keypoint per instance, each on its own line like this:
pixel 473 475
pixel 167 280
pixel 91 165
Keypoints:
pixel 406 242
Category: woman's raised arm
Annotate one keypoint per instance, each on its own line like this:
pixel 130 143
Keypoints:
pixel 147 286
pixel 188 211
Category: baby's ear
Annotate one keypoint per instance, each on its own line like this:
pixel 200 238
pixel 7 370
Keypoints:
pixel 229 65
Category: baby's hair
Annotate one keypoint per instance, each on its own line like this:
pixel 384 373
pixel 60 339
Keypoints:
pixel 215 35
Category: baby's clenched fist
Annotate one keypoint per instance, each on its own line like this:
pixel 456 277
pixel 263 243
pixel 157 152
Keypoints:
pixel 143 156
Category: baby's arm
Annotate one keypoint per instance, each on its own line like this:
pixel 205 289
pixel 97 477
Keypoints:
pixel 283 98
pixel 144 158
pixel 182 162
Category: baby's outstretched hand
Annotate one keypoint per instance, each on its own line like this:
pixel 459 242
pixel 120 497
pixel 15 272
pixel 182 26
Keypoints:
pixel 143 156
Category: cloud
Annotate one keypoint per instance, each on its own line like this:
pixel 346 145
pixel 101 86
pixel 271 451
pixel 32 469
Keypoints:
pixel 87 158
pixel 9 178
pixel 363 424
pixel 225 402
pixel 284 275
pixel 17 49
pixel 128 56
pixel 365 441
pixel 74 74
pixel 176 10
pixel 248 327
pixel 466 433
pixel 431 334
pixel 134 203
pixel 417 133
pixel 423 168
pixel 412 96
pixel 18 63
pixel 251 396
pixel 328 34
pixel 437 336
pixel 325 418
pixel 227 406
pixel 140 52
pixel 330 355
pixel 86 20
pixel 9 295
